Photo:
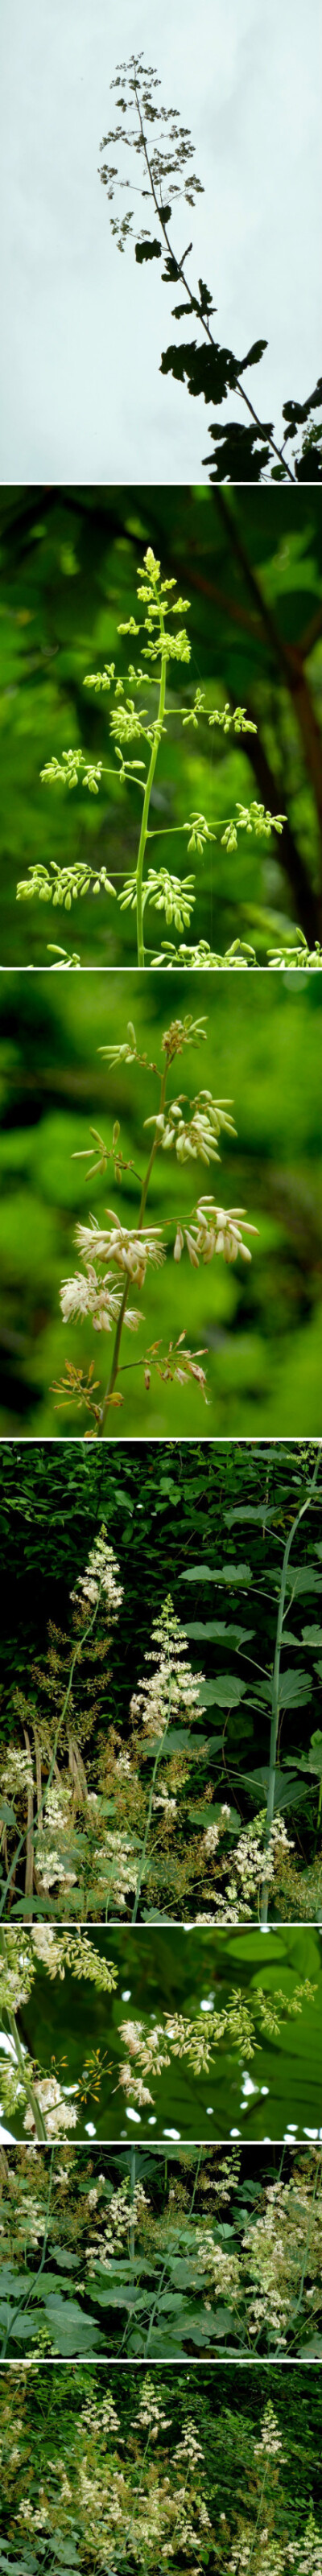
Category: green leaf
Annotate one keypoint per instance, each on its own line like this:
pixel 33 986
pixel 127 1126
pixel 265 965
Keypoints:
pixel 17 2566
pixel 106 1806
pixel 148 250
pixel 69 2262
pixel 179 1739
pixel 295 1689
pixel 227 1573
pixel 312 2350
pixel 312 1637
pixel 19 2328
pixel 71 2331
pixel 250 1512
pixel 223 2322
pixel 207 369
pixel 13 2284
pixel 217 1629
pixel 65 2549
pixel 287 1792
pixel 225 1692
pixel 240 454
pixel 305 1578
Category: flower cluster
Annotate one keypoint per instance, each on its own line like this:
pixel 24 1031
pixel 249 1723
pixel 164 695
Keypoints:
pixel 213 1230
pixel 172 1687
pixel 100 1578
pixel 179 2036
pixel 195 1137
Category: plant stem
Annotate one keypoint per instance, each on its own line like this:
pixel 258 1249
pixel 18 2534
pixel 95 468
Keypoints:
pixel 132 2190
pixel 120 1320
pixel 147 794
pixel 305 1507
pixel 159 1751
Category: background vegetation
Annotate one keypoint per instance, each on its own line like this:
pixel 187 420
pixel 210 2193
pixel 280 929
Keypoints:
pixel 60 2455
pixel 250 561
pixel 261 1324
pixel 196 1508
pixel 163 2255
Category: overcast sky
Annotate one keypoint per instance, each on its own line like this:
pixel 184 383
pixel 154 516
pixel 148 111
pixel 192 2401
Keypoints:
pixel 83 329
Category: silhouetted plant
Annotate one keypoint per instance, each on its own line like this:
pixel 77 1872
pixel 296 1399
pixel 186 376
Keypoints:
pixel 240 453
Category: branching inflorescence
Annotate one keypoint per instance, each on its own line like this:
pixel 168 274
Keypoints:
pixel 117 1257
pixel 240 452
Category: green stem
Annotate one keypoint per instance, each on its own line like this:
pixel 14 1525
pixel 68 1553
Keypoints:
pixel 305 1507
pixel 164 2272
pixel 159 1751
pixel 147 794
pixel 132 2190
pixel 120 1320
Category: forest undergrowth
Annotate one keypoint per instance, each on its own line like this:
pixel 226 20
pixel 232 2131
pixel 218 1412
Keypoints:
pixel 142 2254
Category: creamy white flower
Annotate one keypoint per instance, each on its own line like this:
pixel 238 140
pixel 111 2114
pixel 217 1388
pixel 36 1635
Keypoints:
pixel 86 1296
pixel 129 1248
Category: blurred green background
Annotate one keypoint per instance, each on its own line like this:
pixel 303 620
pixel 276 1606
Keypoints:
pixel 250 562
pixel 260 1323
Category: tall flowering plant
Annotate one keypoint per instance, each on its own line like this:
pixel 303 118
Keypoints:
pixel 161 155
pixel 136 729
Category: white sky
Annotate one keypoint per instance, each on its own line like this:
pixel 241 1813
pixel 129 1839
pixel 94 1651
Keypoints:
pixel 83 329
